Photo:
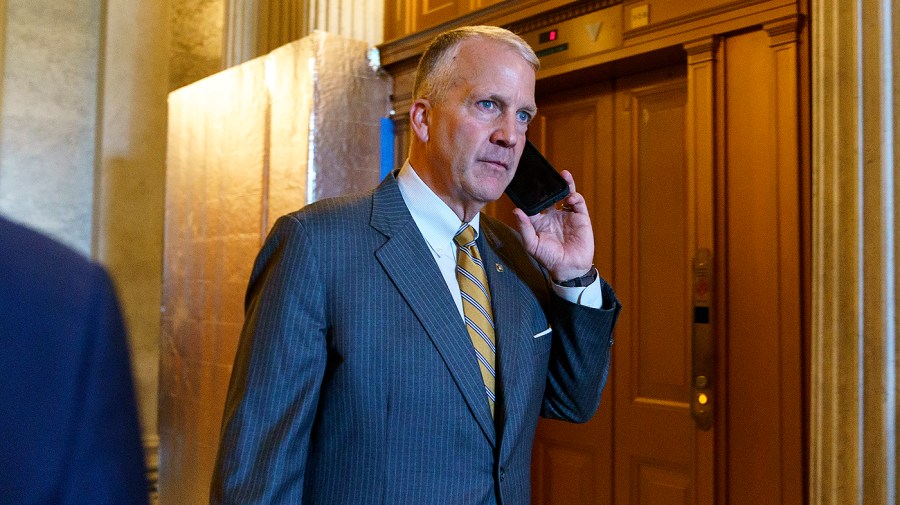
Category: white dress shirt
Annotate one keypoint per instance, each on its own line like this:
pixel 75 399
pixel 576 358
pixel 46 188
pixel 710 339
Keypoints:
pixel 439 224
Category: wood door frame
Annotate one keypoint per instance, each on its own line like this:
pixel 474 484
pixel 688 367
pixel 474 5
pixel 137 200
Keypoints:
pixel 784 21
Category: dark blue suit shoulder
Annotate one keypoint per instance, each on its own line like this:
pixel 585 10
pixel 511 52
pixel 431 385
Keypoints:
pixel 334 212
pixel 39 272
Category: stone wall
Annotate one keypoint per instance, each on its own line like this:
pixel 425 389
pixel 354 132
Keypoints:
pixel 48 117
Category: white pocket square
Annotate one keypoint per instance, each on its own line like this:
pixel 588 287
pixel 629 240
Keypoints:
pixel 541 334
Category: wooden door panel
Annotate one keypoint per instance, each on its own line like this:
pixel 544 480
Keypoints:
pixel 661 259
pixel 565 466
pixel 625 149
pixel 654 433
pixel 572 463
pixel 430 13
pixel 653 209
pixel 659 485
pixel 764 391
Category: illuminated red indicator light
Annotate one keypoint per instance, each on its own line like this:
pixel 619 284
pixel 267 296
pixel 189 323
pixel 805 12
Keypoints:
pixel 548 36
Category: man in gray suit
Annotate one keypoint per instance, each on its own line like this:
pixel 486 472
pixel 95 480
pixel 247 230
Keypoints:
pixel 384 360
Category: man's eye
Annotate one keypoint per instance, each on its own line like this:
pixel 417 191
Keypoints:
pixel 523 116
pixel 487 104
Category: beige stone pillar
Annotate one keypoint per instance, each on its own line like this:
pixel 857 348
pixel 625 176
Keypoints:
pixel 2 40
pixel 357 19
pixel 853 386
pixel 255 27
pixel 48 116
pixel 130 186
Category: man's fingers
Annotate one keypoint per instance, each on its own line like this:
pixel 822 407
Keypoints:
pixel 574 201
pixel 569 180
pixel 526 228
pixel 577 202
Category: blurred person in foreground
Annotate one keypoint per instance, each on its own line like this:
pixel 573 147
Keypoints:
pixel 399 346
pixel 68 424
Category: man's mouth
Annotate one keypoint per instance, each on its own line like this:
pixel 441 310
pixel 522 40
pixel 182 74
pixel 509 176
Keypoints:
pixel 497 164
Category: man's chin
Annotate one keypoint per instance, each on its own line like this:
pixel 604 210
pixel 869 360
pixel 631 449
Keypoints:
pixel 488 196
pixel 491 189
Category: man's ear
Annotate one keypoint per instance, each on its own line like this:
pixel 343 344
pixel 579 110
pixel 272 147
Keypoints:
pixel 419 117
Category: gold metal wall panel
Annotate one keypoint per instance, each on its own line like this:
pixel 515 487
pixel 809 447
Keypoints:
pixel 245 146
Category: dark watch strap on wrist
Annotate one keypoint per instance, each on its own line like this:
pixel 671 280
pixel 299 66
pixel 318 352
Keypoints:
pixel 580 282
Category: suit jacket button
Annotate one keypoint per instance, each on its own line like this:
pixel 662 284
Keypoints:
pixel 502 474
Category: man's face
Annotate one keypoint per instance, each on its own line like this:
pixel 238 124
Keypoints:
pixel 477 129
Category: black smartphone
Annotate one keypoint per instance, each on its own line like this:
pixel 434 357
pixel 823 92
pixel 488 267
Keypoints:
pixel 536 185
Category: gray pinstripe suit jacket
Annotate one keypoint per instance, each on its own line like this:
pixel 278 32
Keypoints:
pixel 355 380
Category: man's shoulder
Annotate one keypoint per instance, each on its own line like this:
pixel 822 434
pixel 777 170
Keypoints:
pixel 340 208
pixel 378 206
pixel 37 256
pixel 46 284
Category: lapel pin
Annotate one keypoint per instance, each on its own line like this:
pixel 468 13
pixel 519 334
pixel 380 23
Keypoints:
pixel 499 267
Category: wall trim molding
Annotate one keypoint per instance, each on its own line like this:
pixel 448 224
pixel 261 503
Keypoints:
pixel 694 16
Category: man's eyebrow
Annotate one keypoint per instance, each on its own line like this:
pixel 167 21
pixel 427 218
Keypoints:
pixel 531 109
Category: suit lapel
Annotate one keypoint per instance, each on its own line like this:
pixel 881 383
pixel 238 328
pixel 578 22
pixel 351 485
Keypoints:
pixel 407 260
pixel 506 298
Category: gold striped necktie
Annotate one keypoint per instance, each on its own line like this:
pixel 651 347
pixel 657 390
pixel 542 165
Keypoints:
pixel 476 298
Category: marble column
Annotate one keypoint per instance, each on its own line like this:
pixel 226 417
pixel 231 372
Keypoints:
pixel 853 385
pixel 255 27
pixel 357 19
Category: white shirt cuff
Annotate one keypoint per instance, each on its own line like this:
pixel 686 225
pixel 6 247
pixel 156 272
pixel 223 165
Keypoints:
pixel 590 296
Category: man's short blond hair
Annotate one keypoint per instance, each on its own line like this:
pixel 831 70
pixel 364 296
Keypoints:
pixel 435 71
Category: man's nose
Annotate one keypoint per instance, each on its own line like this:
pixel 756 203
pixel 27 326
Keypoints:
pixel 507 133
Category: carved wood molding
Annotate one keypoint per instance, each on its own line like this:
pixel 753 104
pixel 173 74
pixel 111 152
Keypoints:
pixel 784 30
pixel 701 49
pixel 700 134
pixel 694 16
pixel 558 16
pixel 519 16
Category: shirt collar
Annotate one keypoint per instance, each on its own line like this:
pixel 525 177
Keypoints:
pixel 435 219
